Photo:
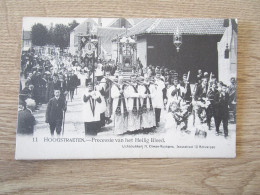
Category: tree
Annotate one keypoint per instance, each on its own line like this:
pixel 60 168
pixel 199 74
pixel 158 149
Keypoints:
pixel 61 36
pixel 72 25
pixel 50 36
pixel 39 34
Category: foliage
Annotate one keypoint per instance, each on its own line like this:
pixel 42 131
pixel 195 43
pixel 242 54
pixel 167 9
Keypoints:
pixel 39 34
pixel 61 36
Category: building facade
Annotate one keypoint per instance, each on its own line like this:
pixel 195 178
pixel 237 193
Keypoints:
pixel 199 48
pixel 227 65
pixel 26 40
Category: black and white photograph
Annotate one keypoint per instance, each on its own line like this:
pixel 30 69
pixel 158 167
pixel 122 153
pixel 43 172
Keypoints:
pixel 93 88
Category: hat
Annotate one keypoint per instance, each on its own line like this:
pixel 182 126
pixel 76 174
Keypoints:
pixel 90 83
pixel 114 78
pixel 132 75
pixel 22 103
pixel 30 103
pixel 157 71
pixel 141 78
pixel 57 87
pixel 171 72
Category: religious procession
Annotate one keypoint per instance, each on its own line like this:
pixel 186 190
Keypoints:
pixel 125 95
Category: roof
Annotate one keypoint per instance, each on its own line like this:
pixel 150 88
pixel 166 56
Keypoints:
pixel 81 28
pixel 27 35
pixel 132 21
pixel 107 34
pixel 194 26
pixel 136 20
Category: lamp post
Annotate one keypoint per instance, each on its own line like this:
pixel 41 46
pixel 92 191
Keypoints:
pixel 177 39
pixel 226 52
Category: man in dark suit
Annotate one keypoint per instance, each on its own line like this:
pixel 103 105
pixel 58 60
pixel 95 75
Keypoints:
pixel 210 111
pixel 185 91
pixel 52 84
pixel 54 112
pixel 221 101
pixel 72 84
pixel 201 90
pixel 232 97
pixel 26 120
pixel 200 98
pixel 199 76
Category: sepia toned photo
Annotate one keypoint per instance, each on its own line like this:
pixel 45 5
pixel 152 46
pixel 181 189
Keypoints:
pixel 95 88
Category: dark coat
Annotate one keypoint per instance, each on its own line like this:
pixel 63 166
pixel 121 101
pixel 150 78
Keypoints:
pixel 221 105
pixel 27 93
pixel 75 80
pixel 186 96
pixel 232 94
pixel 50 89
pixel 199 77
pixel 26 122
pixel 72 82
pixel 199 93
pixel 62 85
pixel 55 109
pixel 211 95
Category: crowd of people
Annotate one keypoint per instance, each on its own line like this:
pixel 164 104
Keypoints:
pixel 41 76
pixel 133 105
pixel 136 105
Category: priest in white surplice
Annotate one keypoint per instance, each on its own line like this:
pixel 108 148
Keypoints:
pixel 119 106
pixel 134 105
pixel 91 110
pixel 147 92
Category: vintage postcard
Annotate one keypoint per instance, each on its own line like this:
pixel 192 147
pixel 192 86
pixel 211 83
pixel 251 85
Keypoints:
pixel 95 88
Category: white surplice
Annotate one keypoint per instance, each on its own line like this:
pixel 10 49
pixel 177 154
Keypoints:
pixel 134 118
pixel 120 119
pixel 148 116
pixel 91 109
